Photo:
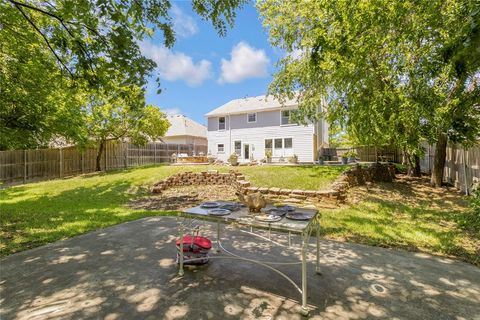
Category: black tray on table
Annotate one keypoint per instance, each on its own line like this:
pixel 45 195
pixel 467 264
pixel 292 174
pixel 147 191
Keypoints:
pixel 285 208
pixel 299 216
pixel 231 206
pixel 209 205
pixel 276 212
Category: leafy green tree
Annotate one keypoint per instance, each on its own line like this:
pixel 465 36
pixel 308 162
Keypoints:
pixel 394 72
pixel 111 118
pixel 52 52
pixel 35 100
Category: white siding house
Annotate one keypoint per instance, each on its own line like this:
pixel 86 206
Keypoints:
pixel 251 126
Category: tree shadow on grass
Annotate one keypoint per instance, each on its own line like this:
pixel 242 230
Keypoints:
pixel 46 218
pixel 381 218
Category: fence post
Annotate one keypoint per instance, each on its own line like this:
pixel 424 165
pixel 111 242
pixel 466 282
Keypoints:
pixel 61 163
pixel 24 166
pixel 125 152
pixel 82 162
pixel 467 192
pixel 155 153
pixel 105 155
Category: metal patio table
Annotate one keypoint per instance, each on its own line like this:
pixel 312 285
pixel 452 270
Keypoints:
pixel 243 217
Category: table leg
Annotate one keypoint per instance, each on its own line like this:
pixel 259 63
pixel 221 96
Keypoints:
pixel 304 274
pixel 317 267
pixel 180 254
pixel 218 237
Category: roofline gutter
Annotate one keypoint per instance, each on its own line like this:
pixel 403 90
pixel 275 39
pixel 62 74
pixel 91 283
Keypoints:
pixel 207 115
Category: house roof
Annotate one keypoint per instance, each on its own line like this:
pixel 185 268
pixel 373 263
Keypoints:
pixel 248 104
pixel 183 126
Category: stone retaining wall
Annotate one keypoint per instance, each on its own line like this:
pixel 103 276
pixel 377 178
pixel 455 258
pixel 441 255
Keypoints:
pixel 212 177
pixel 352 177
pixel 358 175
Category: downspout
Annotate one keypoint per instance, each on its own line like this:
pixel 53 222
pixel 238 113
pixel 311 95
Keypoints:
pixel 230 133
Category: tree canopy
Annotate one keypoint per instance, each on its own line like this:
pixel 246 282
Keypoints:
pixel 53 52
pixel 393 72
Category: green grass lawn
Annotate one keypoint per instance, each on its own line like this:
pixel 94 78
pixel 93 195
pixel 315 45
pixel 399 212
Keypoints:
pixel 39 213
pixel 406 214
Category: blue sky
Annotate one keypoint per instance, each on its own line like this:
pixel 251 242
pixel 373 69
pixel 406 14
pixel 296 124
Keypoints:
pixel 203 70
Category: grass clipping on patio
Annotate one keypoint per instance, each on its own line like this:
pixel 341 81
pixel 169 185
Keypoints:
pixel 407 214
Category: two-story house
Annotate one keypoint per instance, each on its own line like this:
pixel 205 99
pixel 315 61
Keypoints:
pixel 253 126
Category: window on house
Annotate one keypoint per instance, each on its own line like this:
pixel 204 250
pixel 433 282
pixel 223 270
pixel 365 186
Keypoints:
pixel 287 143
pixel 238 147
pixel 220 147
pixel 287 116
pixel 221 123
pixel 252 117
pixel 278 143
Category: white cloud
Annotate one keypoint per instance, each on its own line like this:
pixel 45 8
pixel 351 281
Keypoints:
pixel 245 62
pixel 172 111
pixel 173 66
pixel 183 24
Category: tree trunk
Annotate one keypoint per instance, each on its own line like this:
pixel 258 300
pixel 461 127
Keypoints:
pixel 410 169
pixel 439 160
pixel 413 165
pixel 101 147
pixel 417 172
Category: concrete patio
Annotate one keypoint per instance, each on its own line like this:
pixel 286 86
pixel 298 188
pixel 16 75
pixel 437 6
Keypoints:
pixel 128 272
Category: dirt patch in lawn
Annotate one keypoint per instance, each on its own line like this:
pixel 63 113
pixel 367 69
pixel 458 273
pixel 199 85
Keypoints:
pixel 415 192
pixel 179 198
pixel 409 214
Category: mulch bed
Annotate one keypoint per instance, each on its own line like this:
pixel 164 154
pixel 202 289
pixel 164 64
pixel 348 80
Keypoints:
pixel 179 198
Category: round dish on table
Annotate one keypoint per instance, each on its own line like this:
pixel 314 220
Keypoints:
pixel 219 212
pixel 209 205
pixel 268 218
pixel 276 212
pixel 299 216
pixel 231 206
pixel 285 208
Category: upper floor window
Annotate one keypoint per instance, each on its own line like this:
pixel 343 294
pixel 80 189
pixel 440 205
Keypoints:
pixel 221 123
pixel 287 117
pixel 251 117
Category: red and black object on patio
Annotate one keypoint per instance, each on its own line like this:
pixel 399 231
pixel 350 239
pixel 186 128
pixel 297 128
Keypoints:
pixel 195 249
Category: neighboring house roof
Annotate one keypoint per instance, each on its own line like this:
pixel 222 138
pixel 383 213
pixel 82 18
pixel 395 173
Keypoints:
pixel 251 104
pixel 183 126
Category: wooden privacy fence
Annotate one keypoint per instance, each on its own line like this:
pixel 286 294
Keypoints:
pixel 366 153
pixel 43 164
pixel 462 166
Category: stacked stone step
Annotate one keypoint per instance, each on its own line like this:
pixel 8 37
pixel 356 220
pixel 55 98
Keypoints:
pixel 295 196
